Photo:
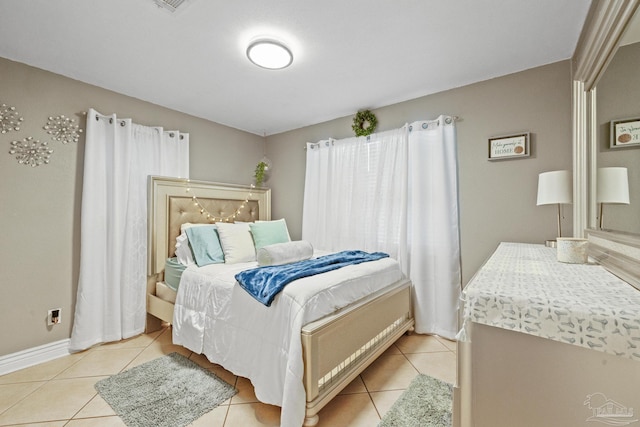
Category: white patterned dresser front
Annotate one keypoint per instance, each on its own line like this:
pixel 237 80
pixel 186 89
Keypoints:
pixel 544 343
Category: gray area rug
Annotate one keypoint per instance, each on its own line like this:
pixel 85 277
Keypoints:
pixel 426 403
pixel 170 391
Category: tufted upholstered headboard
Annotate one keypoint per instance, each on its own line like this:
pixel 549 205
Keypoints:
pixel 171 204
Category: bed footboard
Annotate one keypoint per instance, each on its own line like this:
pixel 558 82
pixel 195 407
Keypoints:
pixel 336 349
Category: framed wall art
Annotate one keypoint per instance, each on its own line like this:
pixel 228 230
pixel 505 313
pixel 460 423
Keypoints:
pixel 625 133
pixel 509 146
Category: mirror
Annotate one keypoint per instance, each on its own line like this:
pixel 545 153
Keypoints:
pixel 596 60
pixel 602 33
pixel 618 101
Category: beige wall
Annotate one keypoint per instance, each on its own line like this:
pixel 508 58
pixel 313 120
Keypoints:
pixel 497 199
pixel 41 206
pixel 40 221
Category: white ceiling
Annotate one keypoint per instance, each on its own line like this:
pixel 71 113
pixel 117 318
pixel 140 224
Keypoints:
pixel 349 54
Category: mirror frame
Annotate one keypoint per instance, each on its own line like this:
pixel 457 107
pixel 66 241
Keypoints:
pixel 603 29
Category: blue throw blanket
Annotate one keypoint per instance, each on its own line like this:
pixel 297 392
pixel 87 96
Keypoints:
pixel 264 283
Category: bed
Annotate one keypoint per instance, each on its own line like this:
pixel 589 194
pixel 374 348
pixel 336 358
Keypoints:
pixel 317 335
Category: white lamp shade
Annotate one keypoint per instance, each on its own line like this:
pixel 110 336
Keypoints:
pixel 612 186
pixel 554 187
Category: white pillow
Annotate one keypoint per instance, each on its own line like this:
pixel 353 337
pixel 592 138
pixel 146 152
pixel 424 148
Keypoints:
pixel 284 253
pixel 237 242
pixel 186 225
pixel 183 251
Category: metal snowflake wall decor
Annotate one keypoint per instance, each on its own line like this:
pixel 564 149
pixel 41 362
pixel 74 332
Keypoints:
pixel 63 129
pixel 31 153
pixel 9 119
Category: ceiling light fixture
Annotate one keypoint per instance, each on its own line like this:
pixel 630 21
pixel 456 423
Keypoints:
pixel 270 54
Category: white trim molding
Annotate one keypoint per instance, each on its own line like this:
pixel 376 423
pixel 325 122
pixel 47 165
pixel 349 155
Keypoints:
pixel 34 356
pixel 601 34
pixel 591 160
pixel 580 181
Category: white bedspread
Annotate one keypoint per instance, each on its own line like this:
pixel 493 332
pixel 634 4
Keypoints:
pixel 214 316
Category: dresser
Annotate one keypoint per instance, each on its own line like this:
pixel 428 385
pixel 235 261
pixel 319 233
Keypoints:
pixel 544 343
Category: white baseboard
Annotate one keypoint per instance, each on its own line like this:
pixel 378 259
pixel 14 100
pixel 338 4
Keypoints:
pixel 34 356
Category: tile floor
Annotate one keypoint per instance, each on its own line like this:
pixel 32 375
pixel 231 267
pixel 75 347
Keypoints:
pixel 61 393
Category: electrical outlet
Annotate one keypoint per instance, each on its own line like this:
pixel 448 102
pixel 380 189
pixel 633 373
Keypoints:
pixel 54 317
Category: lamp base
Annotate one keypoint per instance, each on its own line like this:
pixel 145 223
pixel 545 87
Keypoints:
pixel 551 243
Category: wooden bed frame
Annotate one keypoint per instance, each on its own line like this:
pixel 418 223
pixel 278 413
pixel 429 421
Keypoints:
pixel 336 348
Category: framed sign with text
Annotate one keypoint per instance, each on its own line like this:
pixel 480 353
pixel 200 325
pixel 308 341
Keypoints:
pixel 509 147
pixel 625 133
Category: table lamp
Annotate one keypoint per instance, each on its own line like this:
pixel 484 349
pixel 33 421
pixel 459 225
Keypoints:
pixel 554 188
pixel 612 187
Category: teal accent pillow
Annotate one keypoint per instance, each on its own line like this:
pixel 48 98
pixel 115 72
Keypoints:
pixel 205 245
pixel 172 272
pixel 269 232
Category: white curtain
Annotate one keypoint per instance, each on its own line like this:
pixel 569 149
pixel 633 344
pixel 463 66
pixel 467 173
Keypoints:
pixel 355 190
pixel 394 191
pixel 119 157
pixel 433 237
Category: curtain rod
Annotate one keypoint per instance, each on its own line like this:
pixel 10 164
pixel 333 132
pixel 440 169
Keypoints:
pixel 123 122
pixel 328 140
